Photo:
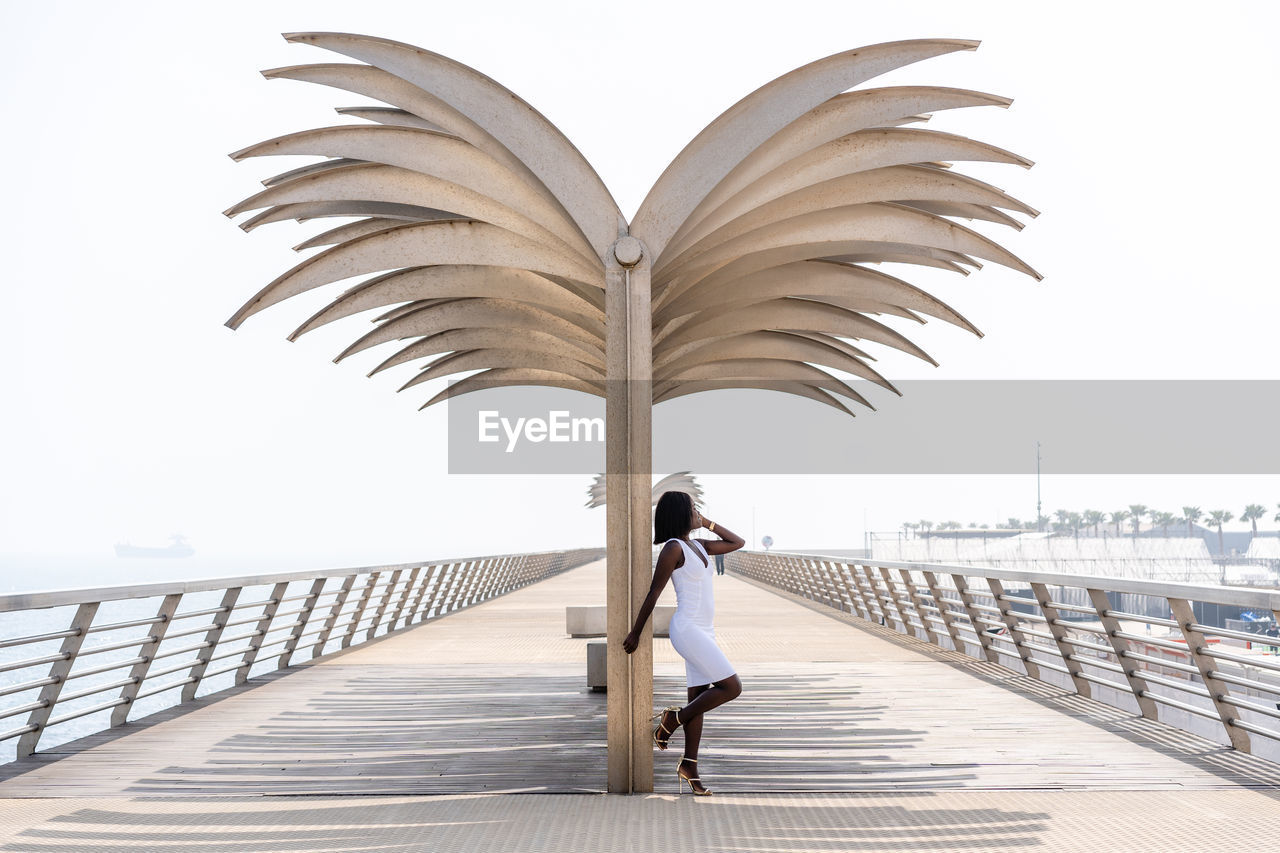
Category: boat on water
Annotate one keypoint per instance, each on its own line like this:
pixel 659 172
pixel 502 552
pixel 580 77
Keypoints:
pixel 178 547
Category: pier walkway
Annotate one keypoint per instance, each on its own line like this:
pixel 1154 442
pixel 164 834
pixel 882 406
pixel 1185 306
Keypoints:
pixel 848 735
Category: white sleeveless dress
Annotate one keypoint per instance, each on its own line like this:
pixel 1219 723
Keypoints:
pixel 693 633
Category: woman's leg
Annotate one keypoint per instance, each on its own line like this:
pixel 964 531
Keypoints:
pixel 693 727
pixel 711 696
pixel 703 698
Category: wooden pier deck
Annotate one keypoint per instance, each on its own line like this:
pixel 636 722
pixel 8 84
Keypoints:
pixel 493 700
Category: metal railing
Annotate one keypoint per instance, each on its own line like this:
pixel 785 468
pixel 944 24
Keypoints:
pixel 1073 631
pixel 59 658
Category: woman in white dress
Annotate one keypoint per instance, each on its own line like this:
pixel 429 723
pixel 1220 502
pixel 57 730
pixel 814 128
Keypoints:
pixel 710 678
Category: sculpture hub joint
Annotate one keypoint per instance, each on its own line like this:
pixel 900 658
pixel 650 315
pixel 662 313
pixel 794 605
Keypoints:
pixel 628 251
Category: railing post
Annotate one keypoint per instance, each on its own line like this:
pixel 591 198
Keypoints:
pixel 944 611
pixel 778 568
pixel 504 577
pixel 916 602
pixel 510 579
pixel 501 579
pixel 404 597
pixel 260 632
pixel 821 583
pixel 49 693
pixel 966 598
pixel 1218 690
pixel 308 606
pixel 382 605
pixel 1065 649
pixel 458 595
pixel 1137 684
pixel 472 587
pixel 840 587
pixel 417 612
pixel 212 636
pixel 442 580
pixel 849 575
pixel 494 578
pixel 485 581
pixel 802 577
pixel 458 591
pixel 891 601
pixel 835 590
pixel 361 605
pixel 874 599
pixel 444 602
pixel 766 567
pixel 441 593
pixel 830 591
pixel 332 619
pixel 138 673
pixel 1015 633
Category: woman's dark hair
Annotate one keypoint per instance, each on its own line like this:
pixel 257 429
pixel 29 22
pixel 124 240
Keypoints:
pixel 672 518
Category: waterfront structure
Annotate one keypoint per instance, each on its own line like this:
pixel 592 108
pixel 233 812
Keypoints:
pixel 748 265
pixel 681 481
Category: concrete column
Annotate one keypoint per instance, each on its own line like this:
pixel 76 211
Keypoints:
pixel 628 501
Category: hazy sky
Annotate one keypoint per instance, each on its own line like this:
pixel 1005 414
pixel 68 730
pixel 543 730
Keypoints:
pixel 132 412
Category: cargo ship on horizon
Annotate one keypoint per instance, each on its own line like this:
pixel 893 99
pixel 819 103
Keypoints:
pixel 177 548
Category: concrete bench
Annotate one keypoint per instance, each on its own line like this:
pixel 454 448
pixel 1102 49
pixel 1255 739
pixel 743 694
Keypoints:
pixel 597 665
pixel 589 620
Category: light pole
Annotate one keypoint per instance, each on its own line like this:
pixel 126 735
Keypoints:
pixel 1039 515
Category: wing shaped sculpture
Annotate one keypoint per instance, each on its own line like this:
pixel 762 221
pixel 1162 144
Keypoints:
pixel 681 481
pixel 480 231
pixel 486 243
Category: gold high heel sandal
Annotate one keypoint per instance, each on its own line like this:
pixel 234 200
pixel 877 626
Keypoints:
pixel 661 743
pixel 690 779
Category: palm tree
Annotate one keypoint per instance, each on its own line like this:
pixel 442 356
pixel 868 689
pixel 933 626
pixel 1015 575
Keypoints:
pixel 1117 517
pixel 1136 511
pixel 1192 514
pixel 1062 515
pixel 1217 518
pixel 1075 520
pixel 1251 514
pixel 925 525
pixel 1041 521
pixel 1163 520
pixel 1014 524
pixel 1093 518
pixel 1152 516
pixel 909 527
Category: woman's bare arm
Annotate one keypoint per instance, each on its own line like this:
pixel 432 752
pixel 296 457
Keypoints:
pixel 728 541
pixel 669 559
